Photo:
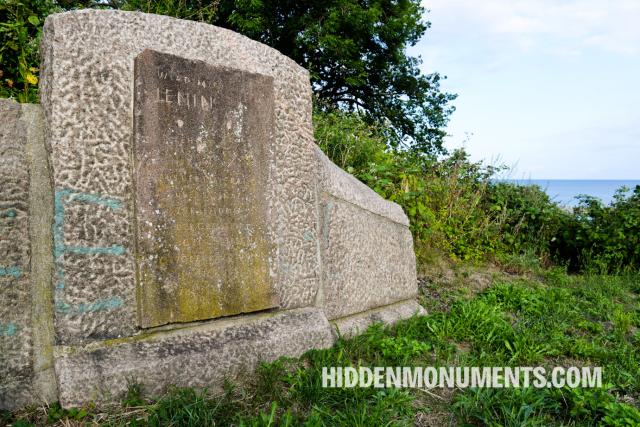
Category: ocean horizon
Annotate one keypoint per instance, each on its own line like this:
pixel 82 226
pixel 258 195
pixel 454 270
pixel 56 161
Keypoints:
pixel 565 191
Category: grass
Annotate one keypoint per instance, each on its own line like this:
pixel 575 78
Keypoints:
pixel 546 318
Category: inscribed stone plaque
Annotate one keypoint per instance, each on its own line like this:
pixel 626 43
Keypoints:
pixel 202 135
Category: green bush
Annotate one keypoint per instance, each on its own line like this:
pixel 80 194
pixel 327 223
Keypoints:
pixel 528 218
pixel 20 30
pixel 600 237
pixel 456 207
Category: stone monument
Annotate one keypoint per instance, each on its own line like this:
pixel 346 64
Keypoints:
pixel 166 217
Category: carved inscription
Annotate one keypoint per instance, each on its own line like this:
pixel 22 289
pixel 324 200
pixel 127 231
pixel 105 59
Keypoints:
pixel 200 165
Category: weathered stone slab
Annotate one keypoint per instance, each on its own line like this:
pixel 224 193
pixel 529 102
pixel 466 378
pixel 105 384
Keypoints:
pixel 201 139
pixel 16 367
pixel 25 276
pixel 355 324
pixel 151 214
pixel 203 356
pixel 366 246
pixel 87 94
pixel 347 187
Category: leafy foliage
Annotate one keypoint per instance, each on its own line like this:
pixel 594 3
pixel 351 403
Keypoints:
pixel 355 51
pixel 198 10
pixel 20 29
pixel 602 237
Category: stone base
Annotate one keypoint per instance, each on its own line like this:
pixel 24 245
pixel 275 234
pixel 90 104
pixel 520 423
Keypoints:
pixel 200 356
pixel 204 355
pixel 350 326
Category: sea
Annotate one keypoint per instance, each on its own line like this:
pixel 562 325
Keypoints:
pixel 565 191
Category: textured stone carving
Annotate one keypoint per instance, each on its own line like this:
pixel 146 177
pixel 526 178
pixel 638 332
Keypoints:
pixel 87 94
pixel 367 248
pixel 118 180
pixel 25 259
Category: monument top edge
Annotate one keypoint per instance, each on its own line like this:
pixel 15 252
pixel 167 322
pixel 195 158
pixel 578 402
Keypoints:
pixel 151 54
pixel 71 18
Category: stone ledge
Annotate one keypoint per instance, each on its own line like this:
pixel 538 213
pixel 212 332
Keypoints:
pixel 350 326
pixel 367 259
pixel 26 214
pixel 347 187
pixel 200 356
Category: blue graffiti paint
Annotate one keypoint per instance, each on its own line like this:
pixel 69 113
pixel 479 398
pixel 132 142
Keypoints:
pixel 86 250
pixel 58 223
pixel 61 198
pixel 8 330
pixel 9 213
pixel 99 305
pixel 58 232
pixel 14 271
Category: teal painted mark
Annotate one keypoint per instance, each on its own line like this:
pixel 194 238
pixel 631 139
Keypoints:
pixel 14 272
pixel 61 198
pixel 8 213
pixel 99 305
pixel 8 329
pixel 85 250
pixel 58 223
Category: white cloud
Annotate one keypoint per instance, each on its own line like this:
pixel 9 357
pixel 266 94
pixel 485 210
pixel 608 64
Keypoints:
pixel 575 24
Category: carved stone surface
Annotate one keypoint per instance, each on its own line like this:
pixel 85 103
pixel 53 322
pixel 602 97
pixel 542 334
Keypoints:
pixel 25 339
pixel 211 211
pixel 366 246
pixel 16 365
pixel 87 94
pixel 202 356
pixel 201 143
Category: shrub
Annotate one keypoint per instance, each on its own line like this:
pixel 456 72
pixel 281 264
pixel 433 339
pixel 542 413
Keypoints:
pixel 20 31
pixel 599 237
pixel 455 206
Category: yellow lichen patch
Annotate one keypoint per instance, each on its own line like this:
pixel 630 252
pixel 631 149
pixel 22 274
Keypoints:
pixel 210 253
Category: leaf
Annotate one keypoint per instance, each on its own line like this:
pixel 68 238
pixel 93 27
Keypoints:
pixel 34 20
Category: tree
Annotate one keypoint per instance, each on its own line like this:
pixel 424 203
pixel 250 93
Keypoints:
pixel 355 51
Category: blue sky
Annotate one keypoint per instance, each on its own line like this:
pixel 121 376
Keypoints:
pixel 551 88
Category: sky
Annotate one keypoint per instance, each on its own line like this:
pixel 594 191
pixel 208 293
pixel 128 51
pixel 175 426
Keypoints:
pixel 550 88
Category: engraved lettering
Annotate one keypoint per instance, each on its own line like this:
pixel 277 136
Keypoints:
pixel 200 155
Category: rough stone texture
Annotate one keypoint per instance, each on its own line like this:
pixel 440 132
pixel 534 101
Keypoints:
pixel 87 94
pixel 353 325
pixel 40 231
pixel 25 335
pixel 347 187
pixel 201 356
pixel 85 213
pixel 200 154
pixel 16 366
pixel 366 246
